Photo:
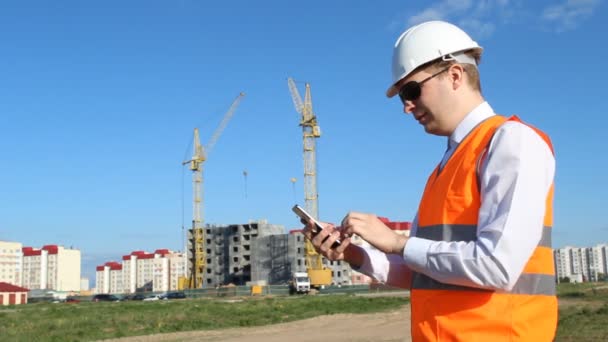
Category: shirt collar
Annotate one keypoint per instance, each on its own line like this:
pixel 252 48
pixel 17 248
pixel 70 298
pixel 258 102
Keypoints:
pixel 470 121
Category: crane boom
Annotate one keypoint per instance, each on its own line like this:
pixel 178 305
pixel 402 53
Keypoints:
pixel 196 255
pixel 295 95
pixel 223 123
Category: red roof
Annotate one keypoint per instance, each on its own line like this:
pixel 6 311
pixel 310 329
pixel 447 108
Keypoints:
pixel 114 266
pixel 99 268
pixel 126 257
pixel 29 251
pixel 295 231
pixel 6 287
pixel 162 251
pixel 52 249
pixel 146 256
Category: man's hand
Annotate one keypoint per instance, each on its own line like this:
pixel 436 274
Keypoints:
pixel 325 238
pixel 374 231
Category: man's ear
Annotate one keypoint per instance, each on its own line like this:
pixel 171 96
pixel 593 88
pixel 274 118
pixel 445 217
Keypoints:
pixel 456 74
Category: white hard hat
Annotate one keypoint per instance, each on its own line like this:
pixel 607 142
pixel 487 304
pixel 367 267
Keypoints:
pixel 427 42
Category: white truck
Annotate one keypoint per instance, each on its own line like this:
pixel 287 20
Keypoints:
pixel 300 283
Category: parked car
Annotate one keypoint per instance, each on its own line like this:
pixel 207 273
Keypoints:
pixel 174 295
pixel 137 296
pixel 152 297
pixel 105 298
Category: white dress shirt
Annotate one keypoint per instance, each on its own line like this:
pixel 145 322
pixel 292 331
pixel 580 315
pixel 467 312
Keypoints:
pixel 515 178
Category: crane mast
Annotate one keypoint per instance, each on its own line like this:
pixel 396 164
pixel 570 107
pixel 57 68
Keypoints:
pixel 196 255
pixel 319 275
pixel 310 131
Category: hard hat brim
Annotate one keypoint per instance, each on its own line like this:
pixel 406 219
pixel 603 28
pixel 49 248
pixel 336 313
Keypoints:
pixel 392 91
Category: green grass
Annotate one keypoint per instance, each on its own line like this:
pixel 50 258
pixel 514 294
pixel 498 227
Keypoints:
pixel 92 321
pixel 583 313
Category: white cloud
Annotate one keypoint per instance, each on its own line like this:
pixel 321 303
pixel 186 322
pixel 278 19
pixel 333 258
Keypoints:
pixel 441 10
pixel 481 18
pixel 569 14
pixel 477 18
pixel 426 15
pixel 477 28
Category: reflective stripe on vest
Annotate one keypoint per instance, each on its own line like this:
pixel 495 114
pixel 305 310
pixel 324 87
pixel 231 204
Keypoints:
pixel 528 283
pixel 461 232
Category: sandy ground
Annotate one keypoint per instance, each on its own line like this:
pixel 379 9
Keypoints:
pixel 388 326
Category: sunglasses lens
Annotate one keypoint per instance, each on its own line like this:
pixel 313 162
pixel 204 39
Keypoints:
pixel 410 91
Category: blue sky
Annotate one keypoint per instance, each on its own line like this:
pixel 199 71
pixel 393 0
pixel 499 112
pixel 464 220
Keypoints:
pixel 99 99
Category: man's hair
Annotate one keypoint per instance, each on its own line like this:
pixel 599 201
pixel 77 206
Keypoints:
pixel 471 70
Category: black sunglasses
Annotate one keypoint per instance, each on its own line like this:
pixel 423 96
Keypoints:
pixel 411 90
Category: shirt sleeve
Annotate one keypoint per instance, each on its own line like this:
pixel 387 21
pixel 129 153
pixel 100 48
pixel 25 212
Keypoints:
pixel 515 180
pixel 389 269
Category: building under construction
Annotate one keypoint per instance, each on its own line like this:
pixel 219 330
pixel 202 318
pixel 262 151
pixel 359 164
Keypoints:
pixel 230 251
pixel 258 252
pixel 277 257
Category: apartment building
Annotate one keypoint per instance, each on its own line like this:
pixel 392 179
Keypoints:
pixel 109 278
pixel 141 271
pixel 168 268
pixel 52 267
pixel 581 264
pixel 598 261
pixel 145 272
pixel 11 259
pixel 177 270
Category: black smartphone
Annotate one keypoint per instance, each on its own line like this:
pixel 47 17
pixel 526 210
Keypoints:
pixel 304 215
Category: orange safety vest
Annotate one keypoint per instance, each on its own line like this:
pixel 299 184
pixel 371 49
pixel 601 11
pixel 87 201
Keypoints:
pixel 449 211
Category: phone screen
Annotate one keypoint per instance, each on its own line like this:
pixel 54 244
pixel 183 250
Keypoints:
pixel 307 217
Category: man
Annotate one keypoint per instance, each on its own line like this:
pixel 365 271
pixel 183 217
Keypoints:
pixel 478 261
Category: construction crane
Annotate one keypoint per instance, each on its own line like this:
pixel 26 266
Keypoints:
pixel 196 254
pixel 319 275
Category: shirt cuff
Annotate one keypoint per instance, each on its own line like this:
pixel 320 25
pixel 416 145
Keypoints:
pixel 415 253
pixel 366 267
